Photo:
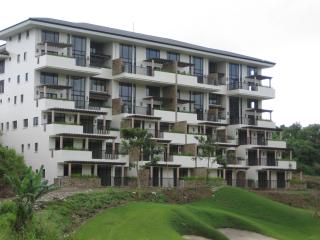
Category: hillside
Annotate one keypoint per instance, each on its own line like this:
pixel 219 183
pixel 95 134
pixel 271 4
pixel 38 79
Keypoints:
pixel 230 207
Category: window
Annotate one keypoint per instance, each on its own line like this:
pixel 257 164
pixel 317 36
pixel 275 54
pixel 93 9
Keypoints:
pixel 26 77
pixel 43 173
pixel 2 66
pixel 28 146
pixel 126 56
pixel 49 78
pixel 10 39
pixel 25 56
pixel 49 36
pixel 35 121
pixel 2 86
pixel 8 100
pixel 79 50
pixel 22 148
pixel 214 99
pixel 36 147
pixel 9 80
pixel 252 103
pixel 27 34
pixel 21 98
pixel 18 58
pixel 234 72
pixel 98 85
pixel 7 126
pixel 251 71
pixel 198 68
pixel 19 37
pixel 14 124
pixel 152 53
pixel 2 127
pixel 173 56
pixel 15 100
pixel 25 123
pixel 18 79
pixel 127 94
pixel 78 91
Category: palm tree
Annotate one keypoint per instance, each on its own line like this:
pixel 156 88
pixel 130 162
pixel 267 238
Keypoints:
pixel 28 189
pixel 137 140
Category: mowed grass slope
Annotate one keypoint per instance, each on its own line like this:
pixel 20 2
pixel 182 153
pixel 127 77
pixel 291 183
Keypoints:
pixel 231 207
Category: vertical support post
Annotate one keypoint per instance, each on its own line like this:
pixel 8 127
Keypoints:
pixel 113 148
pixel 45 91
pixel 122 175
pixel 248 137
pixel 52 116
pixel 258 157
pixel 78 118
pixel 104 125
pixel 95 170
pixel 112 175
pixel 86 146
pixel 45 48
pixel 69 169
pixel 61 143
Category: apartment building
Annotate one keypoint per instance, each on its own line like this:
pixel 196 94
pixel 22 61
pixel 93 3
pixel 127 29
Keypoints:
pixel 66 89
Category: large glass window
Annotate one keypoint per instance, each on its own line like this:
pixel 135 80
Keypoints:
pixel 197 97
pixel 127 94
pixel 173 56
pixel 198 68
pixel 78 91
pixel 79 50
pixel 49 36
pixel 234 76
pixel 2 66
pixel 98 85
pixel 49 78
pixel 152 53
pixel 214 99
pixel 126 56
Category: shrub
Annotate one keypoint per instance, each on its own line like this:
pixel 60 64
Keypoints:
pixel 7 207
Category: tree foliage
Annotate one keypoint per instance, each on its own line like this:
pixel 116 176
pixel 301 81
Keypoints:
pixel 305 142
pixel 28 189
pixel 10 164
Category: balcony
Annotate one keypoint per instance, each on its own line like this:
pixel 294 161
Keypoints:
pixel 211 117
pixel 65 65
pixel 263 123
pixel 250 90
pixel 169 116
pixel 137 110
pixel 47 103
pixel 60 128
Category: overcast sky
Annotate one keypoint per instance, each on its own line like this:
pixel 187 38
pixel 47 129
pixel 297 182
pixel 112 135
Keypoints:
pixel 283 31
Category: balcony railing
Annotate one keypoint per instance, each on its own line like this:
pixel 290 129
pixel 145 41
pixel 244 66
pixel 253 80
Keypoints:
pixel 211 117
pixel 95 129
pixel 258 184
pixel 103 154
pixel 253 141
pixel 137 110
pixel 210 80
pixel 245 86
pixel 262 162
pixel 246 120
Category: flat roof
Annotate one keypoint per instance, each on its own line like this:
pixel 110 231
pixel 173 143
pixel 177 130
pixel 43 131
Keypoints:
pixel 132 35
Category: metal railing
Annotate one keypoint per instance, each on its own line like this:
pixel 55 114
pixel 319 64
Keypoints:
pixel 253 141
pixel 262 161
pixel 246 120
pixel 95 129
pixel 211 117
pixel 103 154
pixel 250 86
pixel 137 110
pixel 210 80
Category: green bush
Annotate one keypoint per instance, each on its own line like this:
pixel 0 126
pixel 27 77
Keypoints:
pixel 7 207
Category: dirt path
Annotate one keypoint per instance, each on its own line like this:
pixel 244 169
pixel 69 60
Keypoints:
pixel 235 234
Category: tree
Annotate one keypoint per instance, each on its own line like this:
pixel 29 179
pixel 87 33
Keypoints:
pixel 305 142
pixel 28 189
pixel 136 140
pixel 10 164
pixel 207 147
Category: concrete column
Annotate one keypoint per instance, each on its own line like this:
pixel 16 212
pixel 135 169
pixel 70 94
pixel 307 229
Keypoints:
pixel 86 144
pixel 78 118
pixel 112 175
pixel 52 116
pixel 224 173
pixel 178 173
pixel 265 136
pixel 69 169
pixel 46 48
pixel 158 133
pixel 113 147
pixel 248 137
pixel 168 151
pixel 258 157
pixel 122 175
pixel 95 171
pixel 151 172
pixel 61 142
pixel 45 91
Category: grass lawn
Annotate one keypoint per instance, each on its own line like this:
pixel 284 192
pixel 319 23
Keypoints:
pixel 231 207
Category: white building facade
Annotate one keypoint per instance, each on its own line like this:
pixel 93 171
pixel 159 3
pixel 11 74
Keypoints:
pixel 66 90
